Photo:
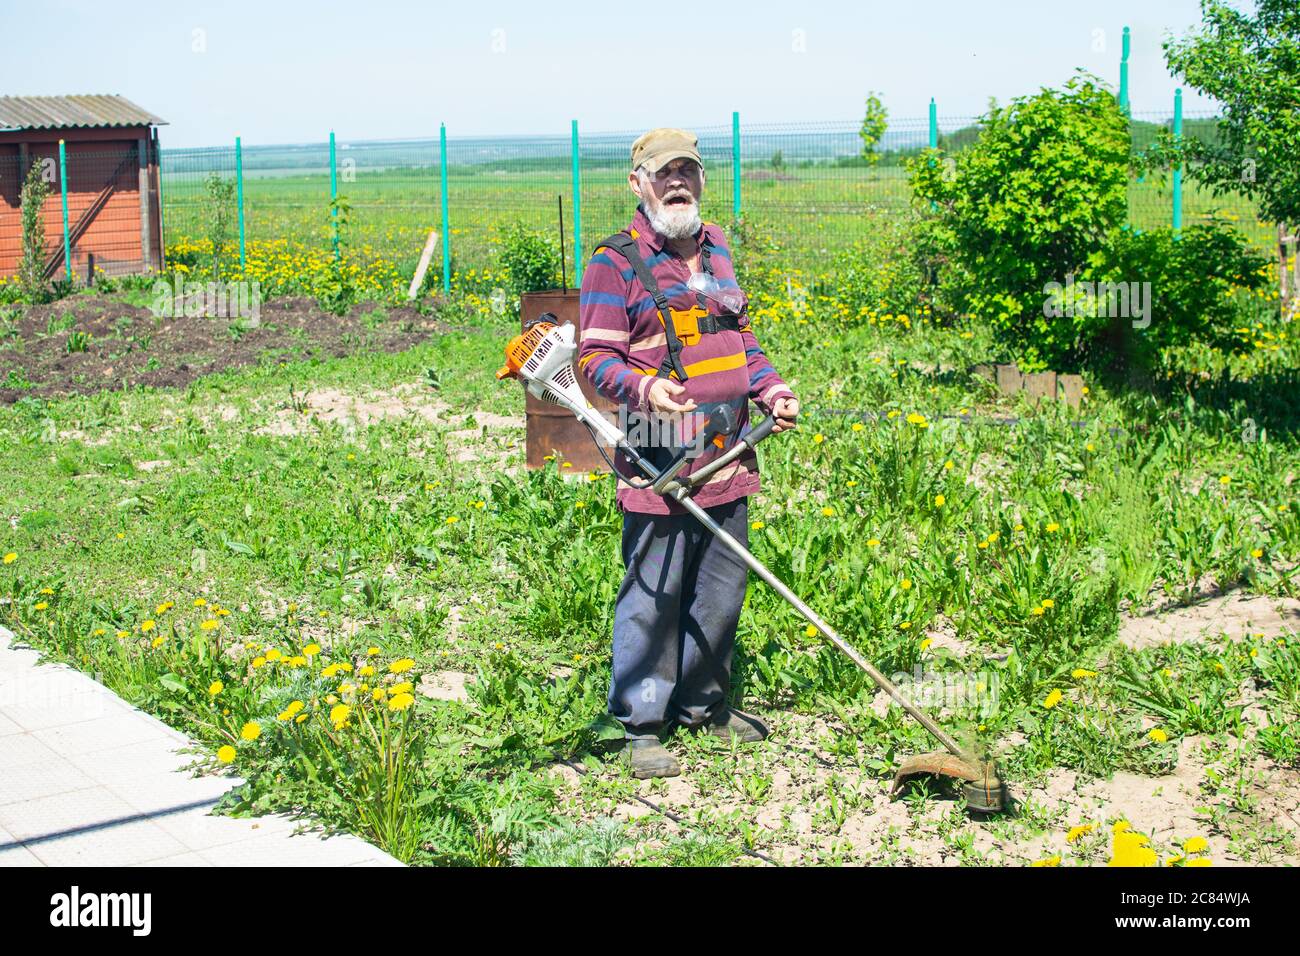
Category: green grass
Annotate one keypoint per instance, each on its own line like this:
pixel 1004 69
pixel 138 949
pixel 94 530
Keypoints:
pixel 386 534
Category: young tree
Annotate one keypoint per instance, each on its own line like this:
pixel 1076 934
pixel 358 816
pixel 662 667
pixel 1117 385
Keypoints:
pixel 220 202
pixel 1249 62
pixel 31 268
pixel 874 124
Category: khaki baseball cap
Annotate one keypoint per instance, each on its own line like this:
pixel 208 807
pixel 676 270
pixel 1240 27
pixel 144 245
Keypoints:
pixel 659 147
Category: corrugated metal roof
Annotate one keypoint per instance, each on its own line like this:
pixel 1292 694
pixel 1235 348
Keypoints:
pixel 55 112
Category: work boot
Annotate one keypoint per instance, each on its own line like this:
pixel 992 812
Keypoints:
pixel 747 728
pixel 650 759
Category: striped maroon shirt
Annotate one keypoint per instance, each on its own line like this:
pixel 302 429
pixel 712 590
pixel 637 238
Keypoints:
pixel 623 344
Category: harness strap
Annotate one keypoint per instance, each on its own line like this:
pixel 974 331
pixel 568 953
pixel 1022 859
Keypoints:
pixel 626 245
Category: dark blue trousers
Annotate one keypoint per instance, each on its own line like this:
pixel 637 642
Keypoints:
pixel 675 618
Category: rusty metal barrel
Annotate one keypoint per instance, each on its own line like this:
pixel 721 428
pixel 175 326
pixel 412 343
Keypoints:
pixel 550 429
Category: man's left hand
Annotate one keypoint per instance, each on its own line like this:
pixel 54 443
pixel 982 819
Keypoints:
pixel 786 410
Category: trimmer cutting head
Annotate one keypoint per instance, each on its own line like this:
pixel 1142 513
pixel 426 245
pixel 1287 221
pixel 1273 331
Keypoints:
pixel 984 790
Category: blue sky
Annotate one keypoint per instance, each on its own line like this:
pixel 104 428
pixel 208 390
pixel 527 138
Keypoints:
pixel 280 71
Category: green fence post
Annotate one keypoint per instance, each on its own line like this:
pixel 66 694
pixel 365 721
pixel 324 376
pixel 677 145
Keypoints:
pixel 1178 170
pixel 735 163
pixel 334 195
pixel 1123 73
pixel 934 138
pixel 63 186
pixel 446 218
pixel 239 195
pixel 577 205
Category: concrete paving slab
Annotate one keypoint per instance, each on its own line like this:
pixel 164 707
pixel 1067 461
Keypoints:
pixel 86 779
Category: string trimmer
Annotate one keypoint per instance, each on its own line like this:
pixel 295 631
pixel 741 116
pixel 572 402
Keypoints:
pixel 542 357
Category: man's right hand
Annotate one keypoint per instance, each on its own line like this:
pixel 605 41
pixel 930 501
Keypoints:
pixel 663 394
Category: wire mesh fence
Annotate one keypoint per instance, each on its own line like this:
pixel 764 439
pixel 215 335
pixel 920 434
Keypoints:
pixel 807 188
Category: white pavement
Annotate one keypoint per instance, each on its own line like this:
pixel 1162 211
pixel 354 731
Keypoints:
pixel 88 780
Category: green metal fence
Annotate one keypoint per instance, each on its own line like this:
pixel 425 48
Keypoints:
pixel 804 186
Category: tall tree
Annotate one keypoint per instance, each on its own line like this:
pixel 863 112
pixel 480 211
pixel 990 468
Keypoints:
pixel 1250 62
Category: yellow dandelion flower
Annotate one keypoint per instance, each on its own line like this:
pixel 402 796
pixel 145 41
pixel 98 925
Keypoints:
pixel 828 512
pixel 1078 832
pixel 1050 861
pixel 215 688
pixel 1158 735
pixel 339 714
pixel 311 650
pixel 11 557
pixel 401 666
pixel 211 624
pixel 810 631
pixel 291 711
pixel 250 731
pixel 1080 673
pixel 148 626
pixel 1052 699
pixel 1052 527
pixel 226 754
pixel 940 501
pixel 873 542
pixel 1197 844
pixel 400 702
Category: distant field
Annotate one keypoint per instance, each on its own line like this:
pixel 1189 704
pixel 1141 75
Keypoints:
pixel 813 211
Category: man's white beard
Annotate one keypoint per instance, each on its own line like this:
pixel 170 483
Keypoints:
pixel 672 222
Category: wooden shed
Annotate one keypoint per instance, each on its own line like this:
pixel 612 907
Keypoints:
pixel 114 207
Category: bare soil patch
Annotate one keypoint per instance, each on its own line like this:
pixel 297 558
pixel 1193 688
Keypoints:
pixel 1236 615
pixel 116 344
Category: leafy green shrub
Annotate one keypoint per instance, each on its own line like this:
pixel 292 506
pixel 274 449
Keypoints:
pixel 530 260
pixel 1193 280
pixel 1028 204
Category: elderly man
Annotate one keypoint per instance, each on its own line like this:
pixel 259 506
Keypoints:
pixel 661 348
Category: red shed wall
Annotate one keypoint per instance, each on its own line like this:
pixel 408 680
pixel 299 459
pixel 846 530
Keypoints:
pixel 103 176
